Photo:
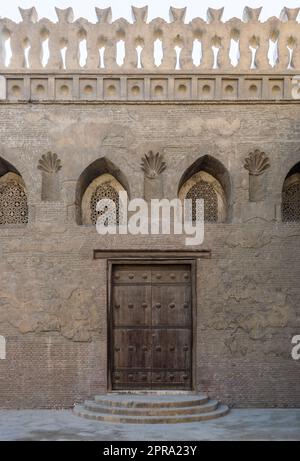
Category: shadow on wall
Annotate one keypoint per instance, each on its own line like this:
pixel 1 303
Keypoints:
pixel 13 196
pixel 114 180
pixel 208 179
pixel 290 211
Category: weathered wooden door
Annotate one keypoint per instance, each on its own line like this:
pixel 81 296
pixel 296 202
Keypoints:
pixel 151 327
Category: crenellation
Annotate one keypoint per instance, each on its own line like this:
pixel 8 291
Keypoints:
pixel 104 15
pixel 214 15
pixel 139 15
pixel 178 38
pixel 65 16
pixel 251 15
pixel 177 14
pixel 289 14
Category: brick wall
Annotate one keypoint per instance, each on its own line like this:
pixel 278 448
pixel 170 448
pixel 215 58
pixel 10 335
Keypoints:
pixel 53 294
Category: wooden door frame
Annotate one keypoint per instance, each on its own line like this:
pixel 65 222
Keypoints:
pixel 159 261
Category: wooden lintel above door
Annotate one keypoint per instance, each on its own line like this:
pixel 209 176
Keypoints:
pixel 152 254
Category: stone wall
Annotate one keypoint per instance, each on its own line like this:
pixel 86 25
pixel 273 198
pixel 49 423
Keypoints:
pixel 53 294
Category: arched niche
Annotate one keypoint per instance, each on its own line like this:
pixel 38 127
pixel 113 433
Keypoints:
pixel 207 178
pixel 290 207
pixel 99 173
pixel 13 195
pixel 6 167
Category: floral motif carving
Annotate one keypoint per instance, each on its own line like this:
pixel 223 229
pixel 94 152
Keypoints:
pixel 153 165
pixel 49 163
pixel 257 163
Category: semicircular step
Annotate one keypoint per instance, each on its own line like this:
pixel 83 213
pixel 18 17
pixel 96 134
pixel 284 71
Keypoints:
pixel 122 419
pixel 153 400
pixel 151 411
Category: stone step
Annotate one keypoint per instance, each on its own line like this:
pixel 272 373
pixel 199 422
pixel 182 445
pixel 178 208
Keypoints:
pixel 91 405
pixel 152 400
pixel 119 419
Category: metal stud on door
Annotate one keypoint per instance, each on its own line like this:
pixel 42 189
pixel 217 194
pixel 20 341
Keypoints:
pixel 151 327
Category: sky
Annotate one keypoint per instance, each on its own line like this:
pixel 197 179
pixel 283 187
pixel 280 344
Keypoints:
pixel 121 8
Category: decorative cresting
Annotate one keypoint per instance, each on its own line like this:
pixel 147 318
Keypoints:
pixel 291 199
pixel 153 165
pixel 103 187
pixel 257 163
pixel 50 165
pixel 13 200
pixel 43 45
pixel 204 186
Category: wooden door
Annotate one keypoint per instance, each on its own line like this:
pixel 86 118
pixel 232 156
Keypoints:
pixel 151 327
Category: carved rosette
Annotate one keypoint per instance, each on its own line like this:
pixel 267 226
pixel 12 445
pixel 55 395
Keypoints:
pixel 257 164
pixel 50 165
pixel 153 166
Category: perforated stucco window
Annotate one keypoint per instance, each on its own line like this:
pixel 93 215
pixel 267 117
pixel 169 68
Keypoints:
pixel 291 199
pixel 204 186
pixel 103 187
pixel 13 200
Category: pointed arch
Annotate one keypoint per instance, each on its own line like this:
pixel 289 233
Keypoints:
pixel 6 167
pixel 290 209
pixel 100 179
pixel 208 179
pixel 13 195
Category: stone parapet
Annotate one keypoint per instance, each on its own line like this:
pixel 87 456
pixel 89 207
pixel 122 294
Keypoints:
pixel 237 45
pixel 72 87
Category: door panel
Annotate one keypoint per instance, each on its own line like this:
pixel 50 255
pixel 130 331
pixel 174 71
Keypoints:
pixel 171 274
pixel 130 379
pixel 131 305
pixel 171 380
pixel 132 274
pixel 151 327
pixel 171 305
pixel 133 349
pixel 171 349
